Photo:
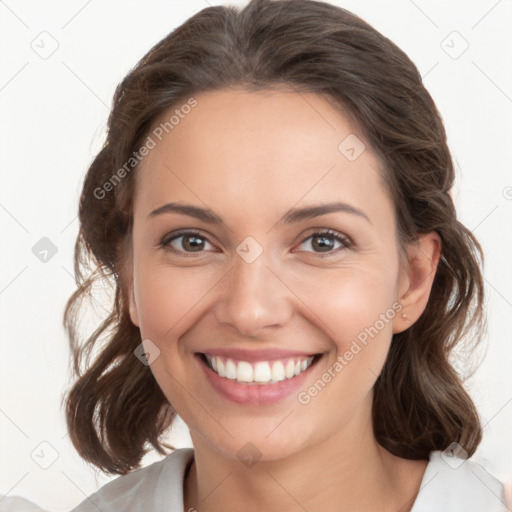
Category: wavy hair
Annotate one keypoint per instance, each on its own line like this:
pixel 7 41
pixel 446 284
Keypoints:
pixel 115 410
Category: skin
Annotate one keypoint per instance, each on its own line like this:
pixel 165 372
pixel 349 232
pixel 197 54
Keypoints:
pixel 250 157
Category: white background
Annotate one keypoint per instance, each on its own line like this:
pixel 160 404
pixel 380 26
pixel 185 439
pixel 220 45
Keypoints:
pixel 53 117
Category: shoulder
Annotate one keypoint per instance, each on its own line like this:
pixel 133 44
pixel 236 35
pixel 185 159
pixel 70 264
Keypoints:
pixel 453 484
pixel 17 504
pixel 158 486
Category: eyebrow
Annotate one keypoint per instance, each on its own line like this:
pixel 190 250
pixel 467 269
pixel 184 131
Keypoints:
pixel 292 216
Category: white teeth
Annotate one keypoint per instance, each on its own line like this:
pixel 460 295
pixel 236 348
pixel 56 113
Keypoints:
pixel 261 372
pixel 221 369
pixel 278 371
pixel 244 372
pixel 289 369
pixel 230 369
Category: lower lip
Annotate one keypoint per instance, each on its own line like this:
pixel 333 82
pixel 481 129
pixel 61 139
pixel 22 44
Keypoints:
pixel 254 394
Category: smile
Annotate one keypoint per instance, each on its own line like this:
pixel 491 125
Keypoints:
pixel 259 372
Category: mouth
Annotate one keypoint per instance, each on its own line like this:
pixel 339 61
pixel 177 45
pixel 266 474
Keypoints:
pixel 258 373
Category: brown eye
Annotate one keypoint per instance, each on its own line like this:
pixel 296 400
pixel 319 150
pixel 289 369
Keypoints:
pixel 326 242
pixel 186 242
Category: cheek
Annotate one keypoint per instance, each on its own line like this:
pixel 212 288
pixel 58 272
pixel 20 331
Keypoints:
pixel 362 314
pixel 166 297
pixel 357 312
pixel 350 301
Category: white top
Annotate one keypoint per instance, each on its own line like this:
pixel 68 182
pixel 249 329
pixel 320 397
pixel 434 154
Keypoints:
pixel 448 485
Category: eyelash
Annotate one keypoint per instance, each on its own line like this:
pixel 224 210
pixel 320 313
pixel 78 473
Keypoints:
pixel 343 240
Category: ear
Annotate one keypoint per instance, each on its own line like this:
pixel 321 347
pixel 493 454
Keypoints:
pixel 416 280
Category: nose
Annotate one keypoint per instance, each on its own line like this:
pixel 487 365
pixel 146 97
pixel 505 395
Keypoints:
pixel 253 298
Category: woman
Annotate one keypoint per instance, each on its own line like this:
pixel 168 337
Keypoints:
pixel 272 205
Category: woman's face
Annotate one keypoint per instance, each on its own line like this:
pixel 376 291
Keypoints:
pixel 258 283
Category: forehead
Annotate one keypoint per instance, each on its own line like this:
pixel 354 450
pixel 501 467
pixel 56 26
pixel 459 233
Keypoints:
pixel 245 147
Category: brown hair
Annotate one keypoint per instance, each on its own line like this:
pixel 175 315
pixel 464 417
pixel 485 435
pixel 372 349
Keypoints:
pixel 115 409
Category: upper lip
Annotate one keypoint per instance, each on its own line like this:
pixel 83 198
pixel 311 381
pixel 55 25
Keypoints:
pixel 241 354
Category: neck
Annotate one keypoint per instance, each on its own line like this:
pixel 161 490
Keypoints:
pixel 354 473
